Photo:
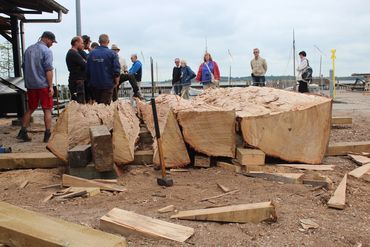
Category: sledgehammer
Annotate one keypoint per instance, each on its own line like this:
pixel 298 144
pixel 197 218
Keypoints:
pixel 164 180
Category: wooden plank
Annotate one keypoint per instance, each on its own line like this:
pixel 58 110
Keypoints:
pixel 359 159
pixel 338 200
pixel 291 178
pixel 202 161
pixel 71 181
pixel 243 213
pixel 343 148
pixel 358 172
pixel 341 120
pixel 23 228
pixel 248 156
pixel 72 195
pixel 101 148
pixel 79 156
pixel 24 184
pixel 125 132
pixel 309 167
pixel 29 161
pixel 126 222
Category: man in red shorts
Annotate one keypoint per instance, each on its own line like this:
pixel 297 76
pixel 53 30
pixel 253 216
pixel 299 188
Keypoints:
pixel 38 77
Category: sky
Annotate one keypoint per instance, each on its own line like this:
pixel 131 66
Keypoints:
pixel 167 29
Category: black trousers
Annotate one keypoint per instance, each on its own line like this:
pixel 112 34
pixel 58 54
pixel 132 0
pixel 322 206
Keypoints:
pixel 102 96
pixel 177 88
pixel 258 81
pixel 303 87
pixel 77 90
pixel 126 77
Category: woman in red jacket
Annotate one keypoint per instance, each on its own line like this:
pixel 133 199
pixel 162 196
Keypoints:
pixel 208 73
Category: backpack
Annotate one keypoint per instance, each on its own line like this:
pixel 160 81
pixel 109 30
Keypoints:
pixel 307 73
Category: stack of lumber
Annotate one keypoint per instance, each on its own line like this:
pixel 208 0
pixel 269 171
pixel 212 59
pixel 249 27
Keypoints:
pixel 288 125
pixel 208 129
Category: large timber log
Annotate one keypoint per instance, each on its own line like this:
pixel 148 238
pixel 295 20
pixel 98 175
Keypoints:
pixel 174 149
pixel 125 132
pixel 72 127
pixel 289 125
pixel 206 128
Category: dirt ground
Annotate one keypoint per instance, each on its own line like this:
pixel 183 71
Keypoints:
pixel 348 227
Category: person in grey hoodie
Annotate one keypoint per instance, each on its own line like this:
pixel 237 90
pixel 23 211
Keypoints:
pixel 186 76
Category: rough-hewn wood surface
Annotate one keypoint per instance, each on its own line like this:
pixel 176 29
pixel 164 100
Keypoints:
pixel 125 133
pixel 208 129
pixel 174 149
pixel 288 125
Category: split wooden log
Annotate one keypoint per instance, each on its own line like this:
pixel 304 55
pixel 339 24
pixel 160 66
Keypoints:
pixel 125 133
pixel 208 129
pixel 288 125
pixel 338 200
pixel 72 127
pixel 22 228
pixel 174 149
pixel 126 222
pixel 243 213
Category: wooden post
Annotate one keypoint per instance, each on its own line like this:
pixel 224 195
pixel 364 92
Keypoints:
pixel 101 147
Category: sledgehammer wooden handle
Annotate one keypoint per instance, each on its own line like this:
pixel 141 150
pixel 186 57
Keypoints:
pixel 158 137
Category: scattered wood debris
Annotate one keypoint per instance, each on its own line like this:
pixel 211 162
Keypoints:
pixel 309 167
pixel 359 159
pixel 167 209
pixel 24 184
pixel 291 178
pixel 221 195
pixel 308 224
pixel 223 188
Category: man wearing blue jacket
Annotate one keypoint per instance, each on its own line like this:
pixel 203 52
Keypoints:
pixel 103 70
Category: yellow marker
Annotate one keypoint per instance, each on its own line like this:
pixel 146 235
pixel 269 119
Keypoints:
pixel 333 57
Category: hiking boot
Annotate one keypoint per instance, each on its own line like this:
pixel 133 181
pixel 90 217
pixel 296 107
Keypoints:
pixel 47 135
pixel 138 95
pixel 22 135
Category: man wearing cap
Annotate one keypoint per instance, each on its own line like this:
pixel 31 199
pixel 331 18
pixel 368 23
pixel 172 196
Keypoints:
pixel 38 77
pixel 103 70
pixel 125 76
pixel 77 70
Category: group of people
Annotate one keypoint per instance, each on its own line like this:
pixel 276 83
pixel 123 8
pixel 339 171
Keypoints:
pixel 96 73
pixel 209 74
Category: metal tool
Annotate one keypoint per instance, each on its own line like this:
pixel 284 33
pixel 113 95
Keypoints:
pixel 164 180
